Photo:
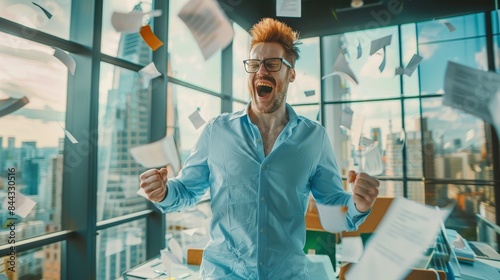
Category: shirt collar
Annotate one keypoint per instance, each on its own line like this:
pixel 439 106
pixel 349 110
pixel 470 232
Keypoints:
pixel 293 118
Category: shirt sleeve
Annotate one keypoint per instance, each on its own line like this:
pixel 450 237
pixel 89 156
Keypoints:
pixel 190 185
pixel 327 186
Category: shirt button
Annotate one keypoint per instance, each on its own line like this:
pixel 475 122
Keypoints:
pixel 263 167
pixel 261 230
pixel 262 198
pixel 258 140
pixel 260 263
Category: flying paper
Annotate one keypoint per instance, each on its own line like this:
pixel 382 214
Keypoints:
pixel 159 153
pixel 406 231
pixel 346 119
pixel 341 67
pixel 357 128
pixel 473 91
pixel 382 64
pixel 69 135
pixel 380 43
pixel 288 8
pixel 366 142
pixel 150 38
pixel 450 26
pixel 130 22
pixel 371 161
pixel 10 105
pixel 309 93
pixel 412 65
pixel 196 119
pixel 209 25
pixel 360 50
pixel 23 204
pixel 47 13
pixel 65 58
pixel 148 73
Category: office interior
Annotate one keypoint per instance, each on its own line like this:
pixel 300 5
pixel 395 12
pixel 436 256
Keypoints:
pixel 88 221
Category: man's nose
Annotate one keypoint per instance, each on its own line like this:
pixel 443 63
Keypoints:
pixel 262 69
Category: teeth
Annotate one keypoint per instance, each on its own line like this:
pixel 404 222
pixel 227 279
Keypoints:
pixel 264 84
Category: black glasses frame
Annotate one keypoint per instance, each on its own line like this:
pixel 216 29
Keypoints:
pixel 283 61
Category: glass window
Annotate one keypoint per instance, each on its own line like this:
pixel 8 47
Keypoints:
pixel 457 142
pixel 241 50
pixel 120 248
pixel 124 108
pixel 237 106
pixel 186 58
pixel 381 126
pixel 390 188
pixel 29 72
pixel 461 27
pixel 33 16
pixel 129 46
pixel 372 83
pixel 470 52
pixel 413 141
pixel 41 263
pixel 307 74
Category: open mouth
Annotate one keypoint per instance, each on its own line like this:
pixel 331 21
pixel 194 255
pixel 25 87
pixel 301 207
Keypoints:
pixel 264 89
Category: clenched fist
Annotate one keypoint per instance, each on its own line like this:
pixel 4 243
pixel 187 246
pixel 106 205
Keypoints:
pixel 364 190
pixel 154 184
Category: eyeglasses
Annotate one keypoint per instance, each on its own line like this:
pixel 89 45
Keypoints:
pixel 272 64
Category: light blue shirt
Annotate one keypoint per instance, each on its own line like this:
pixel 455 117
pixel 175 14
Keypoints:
pixel 258 203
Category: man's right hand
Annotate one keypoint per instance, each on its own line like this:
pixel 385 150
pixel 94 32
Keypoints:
pixel 154 184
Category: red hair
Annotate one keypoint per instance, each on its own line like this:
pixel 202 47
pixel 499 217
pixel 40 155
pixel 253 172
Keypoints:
pixel 271 30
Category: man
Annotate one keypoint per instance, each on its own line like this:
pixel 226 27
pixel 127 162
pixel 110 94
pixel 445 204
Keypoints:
pixel 260 165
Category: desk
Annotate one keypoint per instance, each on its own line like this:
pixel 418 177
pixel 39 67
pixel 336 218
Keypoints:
pixel 320 267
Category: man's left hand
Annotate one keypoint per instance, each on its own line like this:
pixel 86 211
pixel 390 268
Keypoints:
pixel 364 190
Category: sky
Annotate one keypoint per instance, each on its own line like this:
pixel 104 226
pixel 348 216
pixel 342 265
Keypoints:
pixel 43 79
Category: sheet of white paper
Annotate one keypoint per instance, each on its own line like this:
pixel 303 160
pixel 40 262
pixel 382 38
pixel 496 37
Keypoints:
pixel 352 249
pixel 358 121
pixel 130 22
pixel 10 105
pixel 382 64
pixel 471 90
pixel 360 50
pixel 65 58
pixel 469 135
pixel 372 161
pixel 309 93
pixel 450 26
pixel 399 71
pixel 157 154
pixel 332 217
pixel 142 193
pixel 196 119
pixel 366 142
pixel 406 231
pixel 132 239
pixel 148 73
pixel 22 203
pixel 114 246
pixel 412 65
pixel 190 231
pixel 380 43
pixel 341 67
pixel 346 118
pixel 176 249
pixel 209 25
pixel 288 8
pixel 69 135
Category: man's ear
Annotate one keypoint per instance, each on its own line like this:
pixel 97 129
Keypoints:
pixel 291 75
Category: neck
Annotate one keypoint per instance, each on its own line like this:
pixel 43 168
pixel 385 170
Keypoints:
pixel 269 121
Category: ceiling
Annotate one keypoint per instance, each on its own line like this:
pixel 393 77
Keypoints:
pixel 326 17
